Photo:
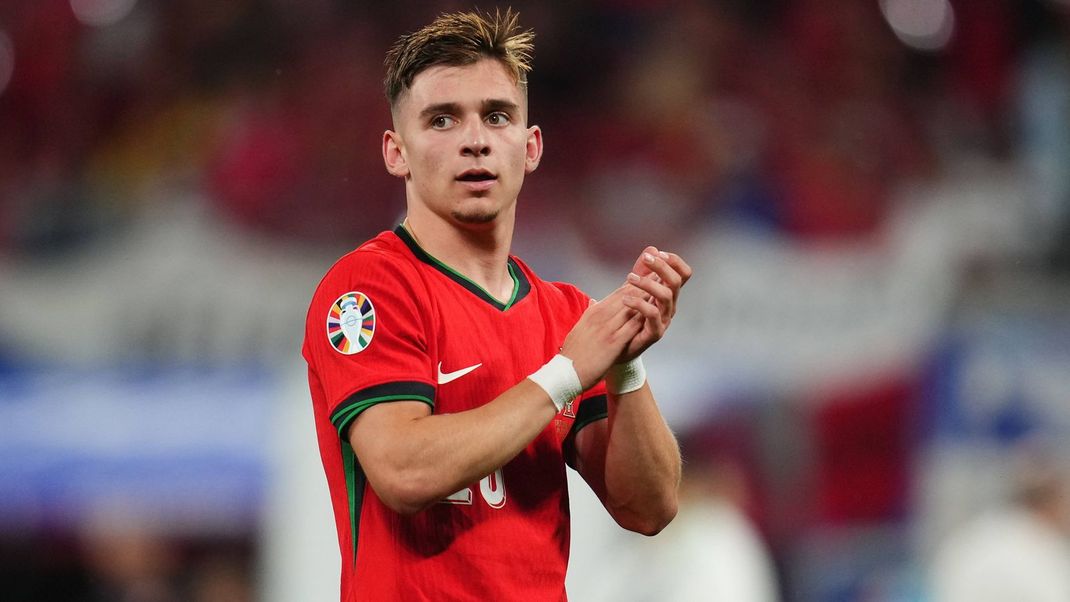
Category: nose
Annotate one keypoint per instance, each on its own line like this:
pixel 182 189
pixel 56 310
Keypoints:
pixel 475 142
pixel 476 148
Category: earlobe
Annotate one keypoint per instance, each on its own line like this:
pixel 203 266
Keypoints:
pixel 393 155
pixel 534 149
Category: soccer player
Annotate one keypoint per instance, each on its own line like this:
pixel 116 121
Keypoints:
pixel 450 384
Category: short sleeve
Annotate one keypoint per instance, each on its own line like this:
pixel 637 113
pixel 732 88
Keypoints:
pixel 592 407
pixel 593 402
pixel 367 336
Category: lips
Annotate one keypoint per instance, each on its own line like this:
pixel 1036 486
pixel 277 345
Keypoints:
pixel 476 175
pixel 477 181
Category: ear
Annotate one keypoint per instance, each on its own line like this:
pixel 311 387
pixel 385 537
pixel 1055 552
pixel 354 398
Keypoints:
pixel 534 149
pixel 394 155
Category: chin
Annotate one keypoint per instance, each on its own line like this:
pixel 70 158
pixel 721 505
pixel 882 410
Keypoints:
pixel 475 217
pixel 476 211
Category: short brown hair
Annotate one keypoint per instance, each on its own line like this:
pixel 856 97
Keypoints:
pixel 457 39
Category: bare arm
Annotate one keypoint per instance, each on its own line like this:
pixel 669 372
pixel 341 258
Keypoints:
pixel 632 460
pixel 413 458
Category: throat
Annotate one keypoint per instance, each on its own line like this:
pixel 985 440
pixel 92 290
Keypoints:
pixel 497 282
pixel 474 257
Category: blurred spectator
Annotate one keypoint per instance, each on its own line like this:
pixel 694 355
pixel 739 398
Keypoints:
pixel 845 135
pixel 130 565
pixel 221 578
pixel 1016 553
pixel 863 439
pixel 1043 101
pixel 711 551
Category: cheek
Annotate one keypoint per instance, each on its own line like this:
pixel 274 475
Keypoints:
pixel 519 152
pixel 426 160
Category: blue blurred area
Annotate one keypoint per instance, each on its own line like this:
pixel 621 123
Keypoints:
pixel 1002 378
pixel 178 450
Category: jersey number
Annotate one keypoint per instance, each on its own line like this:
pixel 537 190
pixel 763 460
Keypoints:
pixel 491 487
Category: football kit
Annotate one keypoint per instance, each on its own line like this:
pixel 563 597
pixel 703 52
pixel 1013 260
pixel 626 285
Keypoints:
pixel 389 322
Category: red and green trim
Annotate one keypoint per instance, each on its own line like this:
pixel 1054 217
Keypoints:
pixel 521 285
pixel 344 414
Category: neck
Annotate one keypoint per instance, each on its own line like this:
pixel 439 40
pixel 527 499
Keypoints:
pixel 479 252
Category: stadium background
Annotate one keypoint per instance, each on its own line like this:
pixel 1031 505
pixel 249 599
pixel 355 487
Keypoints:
pixel 874 196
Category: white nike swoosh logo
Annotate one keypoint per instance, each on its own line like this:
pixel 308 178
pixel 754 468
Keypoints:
pixel 445 377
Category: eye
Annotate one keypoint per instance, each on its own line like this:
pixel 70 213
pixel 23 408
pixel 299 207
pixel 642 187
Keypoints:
pixel 498 118
pixel 441 122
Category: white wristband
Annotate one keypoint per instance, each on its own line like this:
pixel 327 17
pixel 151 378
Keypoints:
pixel 558 378
pixel 625 378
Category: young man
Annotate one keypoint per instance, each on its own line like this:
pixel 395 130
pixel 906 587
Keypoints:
pixel 450 384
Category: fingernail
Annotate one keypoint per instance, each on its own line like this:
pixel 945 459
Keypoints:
pixel 633 277
pixel 663 254
pixel 647 257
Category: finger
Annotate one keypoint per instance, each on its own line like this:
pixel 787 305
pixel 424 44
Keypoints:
pixel 610 307
pixel 648 326
pixel 620 291
pixel 646 309
pixel 622 316
pixel 628 324
pixel 635 291
pixel 659 265
pixel 609 304
pixel 632 328
pixel 678 265
pixel 641 266
pixel 660 292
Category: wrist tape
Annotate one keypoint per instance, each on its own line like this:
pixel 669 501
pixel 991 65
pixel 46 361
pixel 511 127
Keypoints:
pixel 625 378
pixel 558 378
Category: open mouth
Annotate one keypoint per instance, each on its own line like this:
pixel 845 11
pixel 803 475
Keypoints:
pixel 476 175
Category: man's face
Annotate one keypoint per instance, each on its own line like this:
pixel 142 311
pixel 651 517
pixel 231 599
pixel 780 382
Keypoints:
pixel 461 141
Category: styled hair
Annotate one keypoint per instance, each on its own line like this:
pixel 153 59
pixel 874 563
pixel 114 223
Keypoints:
pixel 458 39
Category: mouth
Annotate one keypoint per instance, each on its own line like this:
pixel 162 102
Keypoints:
pixel 476 175
pixel 477 180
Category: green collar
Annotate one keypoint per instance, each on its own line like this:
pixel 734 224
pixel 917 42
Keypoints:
pixel 521 286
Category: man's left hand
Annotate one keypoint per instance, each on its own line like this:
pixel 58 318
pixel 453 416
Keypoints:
pixel 655 282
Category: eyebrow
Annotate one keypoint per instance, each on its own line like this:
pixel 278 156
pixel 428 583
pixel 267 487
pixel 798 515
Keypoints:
pixel 496 104
pixel 442 107
pixel 490 105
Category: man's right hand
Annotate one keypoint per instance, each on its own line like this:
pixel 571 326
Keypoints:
pixel 600 336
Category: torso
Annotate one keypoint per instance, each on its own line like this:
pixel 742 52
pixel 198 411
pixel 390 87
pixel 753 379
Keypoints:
pixel 438 335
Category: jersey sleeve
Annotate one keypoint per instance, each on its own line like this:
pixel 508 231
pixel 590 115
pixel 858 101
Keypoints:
pixel 592 407
pixel 367 337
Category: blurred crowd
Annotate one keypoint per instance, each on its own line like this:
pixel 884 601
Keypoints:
pixel 801 118
pixel 797 120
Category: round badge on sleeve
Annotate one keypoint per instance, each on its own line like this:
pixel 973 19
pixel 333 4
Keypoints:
pixel 351 323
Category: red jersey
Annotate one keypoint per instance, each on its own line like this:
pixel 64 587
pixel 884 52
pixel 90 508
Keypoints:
pixel 389 322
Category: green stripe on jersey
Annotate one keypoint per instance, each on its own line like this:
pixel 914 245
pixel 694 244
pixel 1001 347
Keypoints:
pixel 365 398
pixel 354 492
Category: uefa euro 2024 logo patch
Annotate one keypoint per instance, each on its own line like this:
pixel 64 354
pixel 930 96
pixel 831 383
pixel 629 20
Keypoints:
pixel 351 323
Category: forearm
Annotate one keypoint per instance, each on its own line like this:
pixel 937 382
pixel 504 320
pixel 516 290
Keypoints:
pixel 642 463
pixel 414 460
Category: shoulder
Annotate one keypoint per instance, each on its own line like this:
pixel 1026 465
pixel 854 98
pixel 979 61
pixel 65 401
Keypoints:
pixel 385 252
pixel 381 267
pixel 559 293
pixel 383 259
